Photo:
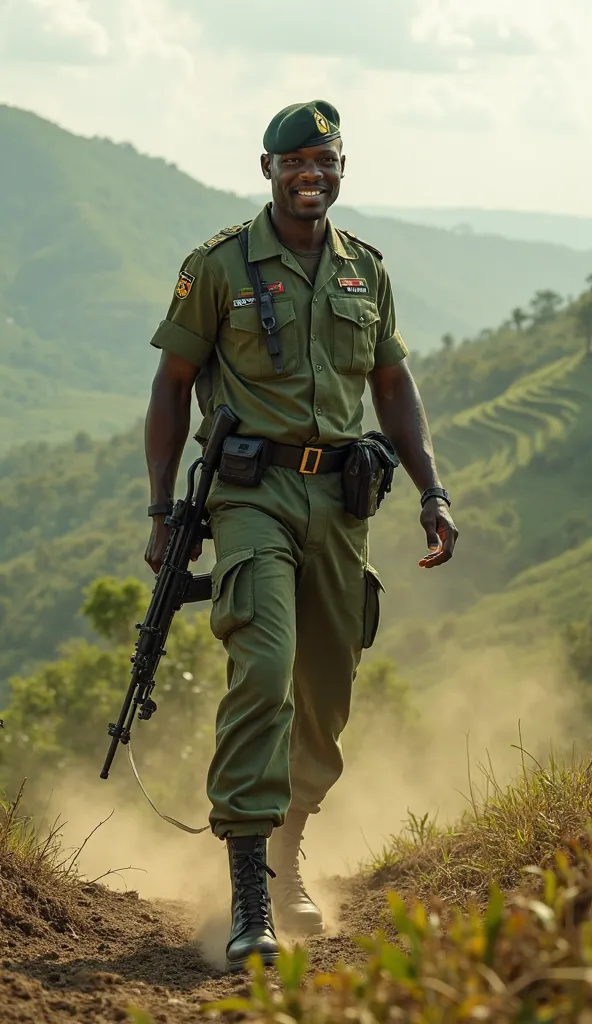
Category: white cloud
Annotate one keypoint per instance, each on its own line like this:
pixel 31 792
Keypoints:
pixel 443 101
pixel 54 31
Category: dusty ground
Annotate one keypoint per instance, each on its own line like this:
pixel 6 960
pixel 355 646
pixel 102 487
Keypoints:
pixel 87 953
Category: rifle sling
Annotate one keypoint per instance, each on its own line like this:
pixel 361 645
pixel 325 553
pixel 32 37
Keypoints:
pixel 264 301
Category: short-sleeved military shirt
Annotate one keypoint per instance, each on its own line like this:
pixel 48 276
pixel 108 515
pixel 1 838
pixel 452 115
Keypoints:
pixel 331 334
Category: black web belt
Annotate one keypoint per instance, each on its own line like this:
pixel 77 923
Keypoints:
pixel 308 461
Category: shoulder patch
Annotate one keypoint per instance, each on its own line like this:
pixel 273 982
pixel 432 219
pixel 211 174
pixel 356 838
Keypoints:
pixel 222 236
pixel 360 241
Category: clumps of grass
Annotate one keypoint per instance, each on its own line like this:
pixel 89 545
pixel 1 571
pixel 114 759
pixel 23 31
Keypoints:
pixel 21 847
pixel 37 885
pixel 502 831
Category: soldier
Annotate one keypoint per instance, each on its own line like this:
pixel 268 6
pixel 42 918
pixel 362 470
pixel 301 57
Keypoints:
pixel 295 600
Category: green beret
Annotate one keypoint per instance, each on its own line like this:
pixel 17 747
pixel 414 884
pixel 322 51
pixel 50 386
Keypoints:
pixel 302 125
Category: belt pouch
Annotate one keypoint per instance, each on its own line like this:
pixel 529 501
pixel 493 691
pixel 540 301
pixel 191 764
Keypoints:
pixel 244 460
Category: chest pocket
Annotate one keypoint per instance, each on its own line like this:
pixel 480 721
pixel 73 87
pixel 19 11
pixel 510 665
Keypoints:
pixel 355 323
pixel 244 344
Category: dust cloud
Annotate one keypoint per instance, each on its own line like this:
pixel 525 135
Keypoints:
pixel 481 695
pixel 480 700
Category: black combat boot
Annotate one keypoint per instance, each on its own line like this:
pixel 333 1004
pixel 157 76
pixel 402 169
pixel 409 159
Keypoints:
pixel 252 922
pixel 293 907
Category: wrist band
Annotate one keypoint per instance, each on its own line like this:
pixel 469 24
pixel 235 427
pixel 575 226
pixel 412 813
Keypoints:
pixel 164 509
pixel 435 492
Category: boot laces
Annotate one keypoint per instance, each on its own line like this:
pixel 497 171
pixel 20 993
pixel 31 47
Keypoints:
pixel 251 892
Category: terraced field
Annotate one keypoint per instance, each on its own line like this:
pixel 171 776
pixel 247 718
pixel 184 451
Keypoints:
pixel 489 442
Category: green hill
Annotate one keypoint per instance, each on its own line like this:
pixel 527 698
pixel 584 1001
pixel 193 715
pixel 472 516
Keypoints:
pixel 92 235
pixel 517 460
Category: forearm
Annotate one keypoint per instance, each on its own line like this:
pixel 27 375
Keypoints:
pixel 166 430
pixel 402 418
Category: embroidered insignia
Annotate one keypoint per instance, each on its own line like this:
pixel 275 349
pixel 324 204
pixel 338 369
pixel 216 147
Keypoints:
pixel 214 241
pixel 184 285
pixel 321 123
pixel 353 285
pixel 246 298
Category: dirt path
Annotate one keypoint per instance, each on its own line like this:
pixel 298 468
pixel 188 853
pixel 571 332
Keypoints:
pixel 88 955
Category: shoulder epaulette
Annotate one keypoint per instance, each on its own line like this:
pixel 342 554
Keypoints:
pixel 222 236
pixel 360 241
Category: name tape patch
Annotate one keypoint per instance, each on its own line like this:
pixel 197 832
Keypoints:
pixel 353 285
pixel 246 297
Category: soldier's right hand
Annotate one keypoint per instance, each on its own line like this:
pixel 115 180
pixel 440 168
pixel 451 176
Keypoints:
pixel 157 544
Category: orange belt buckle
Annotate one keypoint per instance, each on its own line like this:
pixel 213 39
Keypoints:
pixel 310 451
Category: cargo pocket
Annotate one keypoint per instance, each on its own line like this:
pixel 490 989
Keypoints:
pixel 371 605
pixel 355 324
pixel 232 592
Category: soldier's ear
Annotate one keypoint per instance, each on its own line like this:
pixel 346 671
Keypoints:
pixel 266 165
pixel 343 166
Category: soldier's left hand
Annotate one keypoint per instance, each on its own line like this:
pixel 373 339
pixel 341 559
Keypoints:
pixel 441 533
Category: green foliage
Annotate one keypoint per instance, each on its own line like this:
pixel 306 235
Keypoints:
pixel 112 606
pixel 544 305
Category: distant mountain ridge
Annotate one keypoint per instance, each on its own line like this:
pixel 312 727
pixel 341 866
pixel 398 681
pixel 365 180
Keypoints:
pixel 92 235
pixel 523 225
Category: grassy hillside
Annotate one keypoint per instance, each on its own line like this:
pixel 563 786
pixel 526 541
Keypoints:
pixel 92 235
pixel 518 462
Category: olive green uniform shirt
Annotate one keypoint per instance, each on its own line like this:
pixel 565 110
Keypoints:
pixel 331 333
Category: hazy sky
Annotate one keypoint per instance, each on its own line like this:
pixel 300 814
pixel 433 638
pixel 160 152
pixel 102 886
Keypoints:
pixel 443 102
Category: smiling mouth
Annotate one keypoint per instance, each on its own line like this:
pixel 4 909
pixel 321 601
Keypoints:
pixel 310 193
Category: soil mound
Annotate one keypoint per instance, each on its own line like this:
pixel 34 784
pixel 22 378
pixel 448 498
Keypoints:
pixel 73 951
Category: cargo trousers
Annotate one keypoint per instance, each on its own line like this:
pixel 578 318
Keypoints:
pixel 294 602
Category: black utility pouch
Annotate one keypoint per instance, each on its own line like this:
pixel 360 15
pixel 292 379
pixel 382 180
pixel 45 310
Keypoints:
pixel 244 460
pixel 368 474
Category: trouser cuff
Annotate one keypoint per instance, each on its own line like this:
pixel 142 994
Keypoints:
pixel 228 829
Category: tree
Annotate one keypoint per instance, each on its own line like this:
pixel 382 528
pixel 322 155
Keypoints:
pixel 113 606
pixel 447 342
pixel 544 305
pixel 583 321
pixel 519 318
pixel 589 281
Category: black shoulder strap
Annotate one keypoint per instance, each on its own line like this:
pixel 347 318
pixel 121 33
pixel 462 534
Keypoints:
pixel 264 301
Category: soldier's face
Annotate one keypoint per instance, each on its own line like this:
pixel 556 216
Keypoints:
pixel 307 182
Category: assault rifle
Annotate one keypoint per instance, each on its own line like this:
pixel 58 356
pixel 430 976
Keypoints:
pixel 175 585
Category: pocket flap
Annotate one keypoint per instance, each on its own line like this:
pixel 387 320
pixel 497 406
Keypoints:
pixel 373 578
pixel 226 565
pixel 246 318
pixel 361 312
